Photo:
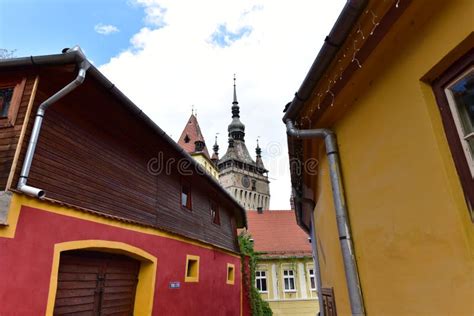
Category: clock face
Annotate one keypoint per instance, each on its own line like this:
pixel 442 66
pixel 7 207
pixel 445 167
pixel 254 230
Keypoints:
pixel 245 181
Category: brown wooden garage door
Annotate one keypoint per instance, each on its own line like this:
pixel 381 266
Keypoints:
pixel 94 283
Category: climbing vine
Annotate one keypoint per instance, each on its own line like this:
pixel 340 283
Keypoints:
pixel 258 305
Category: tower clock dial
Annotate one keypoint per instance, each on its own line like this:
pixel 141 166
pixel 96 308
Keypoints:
pixel 245 181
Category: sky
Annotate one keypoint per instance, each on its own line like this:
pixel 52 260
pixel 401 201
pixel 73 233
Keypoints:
pixel 169 56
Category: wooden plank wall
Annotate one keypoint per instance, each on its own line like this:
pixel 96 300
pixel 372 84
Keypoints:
pixel 9 135
pixel 93 153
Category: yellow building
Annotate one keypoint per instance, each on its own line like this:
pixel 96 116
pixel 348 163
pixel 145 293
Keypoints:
pixel 390 203
pixel 284 275
pixel 192 141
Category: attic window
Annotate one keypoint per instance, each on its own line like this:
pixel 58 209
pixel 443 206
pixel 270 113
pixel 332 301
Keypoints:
pixel 5 101
pixel 186 139
pixel 215 213
pixel 11 92
pixel 186 196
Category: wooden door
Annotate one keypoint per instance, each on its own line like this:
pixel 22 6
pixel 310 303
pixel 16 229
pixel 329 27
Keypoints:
pixel 94 283
pixel 329 302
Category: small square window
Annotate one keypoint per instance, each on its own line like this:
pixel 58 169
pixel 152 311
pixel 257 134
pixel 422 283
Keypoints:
pixel 215 216
pixel 192 269
pixel 230 273
pixel 186 196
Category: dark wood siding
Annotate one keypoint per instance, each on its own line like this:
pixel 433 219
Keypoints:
pixel 93 283
pixel 9 135
pixel 93 153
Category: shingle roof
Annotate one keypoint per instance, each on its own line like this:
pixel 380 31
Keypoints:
pixel 191 133
pixel 277 234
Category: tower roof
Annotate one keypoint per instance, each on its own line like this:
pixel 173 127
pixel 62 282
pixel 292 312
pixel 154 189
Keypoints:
pixel 236 128
pixel 192 134
pixel 237 150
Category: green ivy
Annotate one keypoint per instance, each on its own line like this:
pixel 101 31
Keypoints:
pixel 258 305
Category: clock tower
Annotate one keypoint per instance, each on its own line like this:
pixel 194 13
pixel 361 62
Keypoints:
pixel 246 179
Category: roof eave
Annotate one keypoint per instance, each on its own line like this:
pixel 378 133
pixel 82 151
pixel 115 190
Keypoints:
pixel 332 43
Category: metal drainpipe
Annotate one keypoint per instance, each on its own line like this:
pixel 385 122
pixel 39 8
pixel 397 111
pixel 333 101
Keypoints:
pixel 350 267
pixel 317 270
pixel 25 170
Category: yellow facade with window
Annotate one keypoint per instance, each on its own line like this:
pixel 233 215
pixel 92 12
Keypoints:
pixel 407 201
pixel 207 164
pixel 294 296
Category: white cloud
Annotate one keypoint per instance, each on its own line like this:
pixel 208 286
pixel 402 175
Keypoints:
pixel 172 64
pixel 105 29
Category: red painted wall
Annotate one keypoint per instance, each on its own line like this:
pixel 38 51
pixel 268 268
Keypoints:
pixel 26 261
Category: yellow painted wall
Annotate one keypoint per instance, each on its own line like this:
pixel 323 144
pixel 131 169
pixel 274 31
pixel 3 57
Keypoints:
pixel 414 239
pixel 207 165
pixel 295 307
pixel 289 303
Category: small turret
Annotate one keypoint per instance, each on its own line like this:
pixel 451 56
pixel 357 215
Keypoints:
pixel 215 155
pixel 259 161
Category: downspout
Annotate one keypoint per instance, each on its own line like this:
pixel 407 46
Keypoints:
pixel 317 270
pixel 350 267
pixel 22 186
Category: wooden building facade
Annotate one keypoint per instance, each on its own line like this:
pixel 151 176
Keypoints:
pixel 129 222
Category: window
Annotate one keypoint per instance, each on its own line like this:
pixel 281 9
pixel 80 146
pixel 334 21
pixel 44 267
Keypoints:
pixel 261 281
pixel 460 94
pixel 11 92
pixel 230 273
pixel 289 280
pixel 454 91
pixel 312 279
pixel 6 95
pixel 192 269
pixel 186 196
pixel 215 213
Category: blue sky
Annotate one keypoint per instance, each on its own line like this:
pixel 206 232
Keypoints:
pixel 34 27
pixel 170 55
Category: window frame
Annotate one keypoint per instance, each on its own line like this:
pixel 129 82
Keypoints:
pixel 260 278
pixel 230 274
pixel 189 201
pixel 194 260
pixel 289 277
pixel 216 220
pixel 444 80
pixel 313 275
pixel 457 118
pixel 18 85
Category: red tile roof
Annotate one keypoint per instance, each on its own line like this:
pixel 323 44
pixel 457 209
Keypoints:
pixel 193 133
pixel 277 234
